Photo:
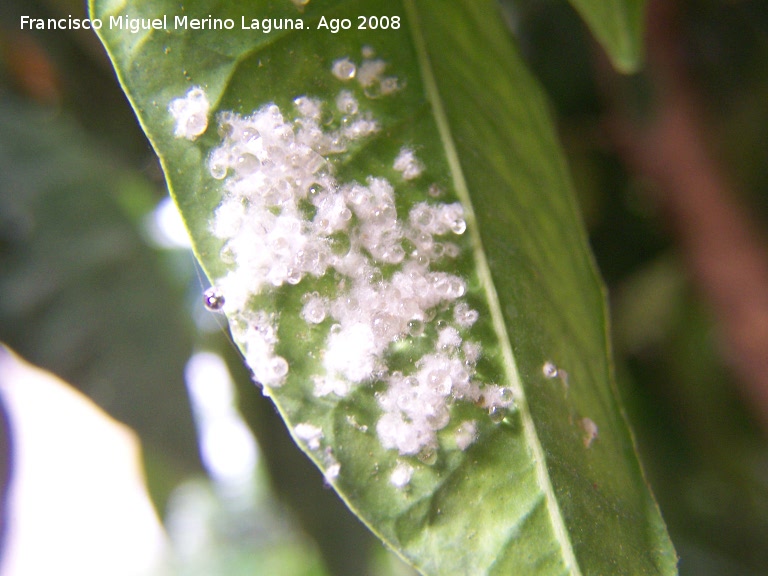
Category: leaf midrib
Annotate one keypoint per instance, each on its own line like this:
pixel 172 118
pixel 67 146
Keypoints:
pixel 457 174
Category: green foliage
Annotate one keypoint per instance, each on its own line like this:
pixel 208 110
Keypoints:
pixel 84 295
pixel 618 25
pixel 702 457
pixel 534 494
pixel 698 441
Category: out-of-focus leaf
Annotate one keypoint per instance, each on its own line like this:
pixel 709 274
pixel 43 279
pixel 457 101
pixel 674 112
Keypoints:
pixel 618 26
pixel 77 487
pixel 700 449
pixel 539 491
pixel 83 295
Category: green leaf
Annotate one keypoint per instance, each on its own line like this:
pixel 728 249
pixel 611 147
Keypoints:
pixel 547 484
pixel 618 26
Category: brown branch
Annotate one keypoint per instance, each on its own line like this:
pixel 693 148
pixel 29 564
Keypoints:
pixel 716 233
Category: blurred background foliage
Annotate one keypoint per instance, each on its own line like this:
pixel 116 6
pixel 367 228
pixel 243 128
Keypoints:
pixel 90 294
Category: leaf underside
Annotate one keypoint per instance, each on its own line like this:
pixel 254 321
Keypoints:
pixel 553 487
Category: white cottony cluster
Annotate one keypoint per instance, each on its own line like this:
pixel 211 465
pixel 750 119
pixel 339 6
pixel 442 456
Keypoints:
pixel 190 113
pixel 285 218
pixel 310 434
pixel 401 475
pixel 464 315
pixel 375 314
pixel 259 333
pixel 332 468
pixel 407 163
pixel 369 74
pixel 466 434
pixel 275 172
pixel 416 407
pixel 344 69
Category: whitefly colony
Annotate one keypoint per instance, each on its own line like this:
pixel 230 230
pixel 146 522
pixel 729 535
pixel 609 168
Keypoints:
pixel 274 163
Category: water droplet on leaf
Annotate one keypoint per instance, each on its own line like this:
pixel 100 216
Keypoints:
pixel 213 299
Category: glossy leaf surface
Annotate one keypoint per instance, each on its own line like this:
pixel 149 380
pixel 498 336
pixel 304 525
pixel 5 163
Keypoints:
pixel 547 485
